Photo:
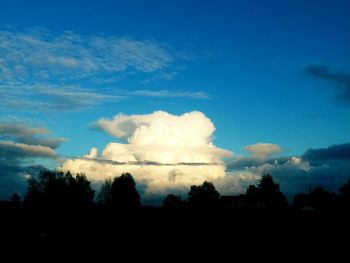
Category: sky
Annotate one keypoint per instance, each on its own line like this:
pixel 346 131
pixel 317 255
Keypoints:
pixel 238 88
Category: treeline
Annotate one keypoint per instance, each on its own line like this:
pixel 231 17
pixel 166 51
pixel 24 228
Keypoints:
pixel 61 213
pixel 62 192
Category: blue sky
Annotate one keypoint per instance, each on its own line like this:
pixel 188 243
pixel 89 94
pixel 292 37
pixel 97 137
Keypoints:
pixel 261 71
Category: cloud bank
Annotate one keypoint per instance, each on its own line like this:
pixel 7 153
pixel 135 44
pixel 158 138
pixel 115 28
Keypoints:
pixel 325 167
pixel 167 154
pixel 164 152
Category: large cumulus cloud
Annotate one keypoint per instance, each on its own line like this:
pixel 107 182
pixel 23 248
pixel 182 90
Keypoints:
pixel 164 152
pixel 168 153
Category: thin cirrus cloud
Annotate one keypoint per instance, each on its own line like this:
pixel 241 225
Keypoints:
pixel 52 97
pixel 170 94
pixel 339 79
pixel 43 54
pixel 43 70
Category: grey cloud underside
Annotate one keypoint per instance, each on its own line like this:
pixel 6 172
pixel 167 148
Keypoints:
pixel 144 163
pixel 339 79
pixel 11 150
pixel 240 163
pixel 335 152
pixel 22 133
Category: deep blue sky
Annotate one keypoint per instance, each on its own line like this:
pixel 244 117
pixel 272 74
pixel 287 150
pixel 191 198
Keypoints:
pixel 249 57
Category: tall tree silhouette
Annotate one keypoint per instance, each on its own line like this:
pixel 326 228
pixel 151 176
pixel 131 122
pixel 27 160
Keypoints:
pixel 203 196
pixel 345 189
pixel 105 194
pixel 124 194
pixel 345 194
pixel 267 193
pixel 80 190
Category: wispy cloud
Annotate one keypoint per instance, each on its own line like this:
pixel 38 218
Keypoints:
pixel 171 94
pixel 42 54
pixel 52 97
pixel 340 80
pixel 45 70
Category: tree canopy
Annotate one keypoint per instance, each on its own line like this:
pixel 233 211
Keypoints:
pixel 59 191
pixel 203 196
pixel 267 193
pixel 172 201
pixel 124 194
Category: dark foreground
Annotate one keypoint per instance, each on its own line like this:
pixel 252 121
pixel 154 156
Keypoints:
pixel 179 235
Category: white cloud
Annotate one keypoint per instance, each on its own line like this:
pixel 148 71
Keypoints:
pixel 263 150
pixel 163 151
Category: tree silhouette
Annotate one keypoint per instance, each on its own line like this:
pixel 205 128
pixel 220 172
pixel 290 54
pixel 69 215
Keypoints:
pixel 80 190
pixel 105 195
pixel 267 194
pixel 124 195
pixel 345 194
pixel 345 189
pixel 172 202
pixel 15 198
pixel 318 198
pixel 56 191
pixel 302 200
pixel 203 196
pixel 34 192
